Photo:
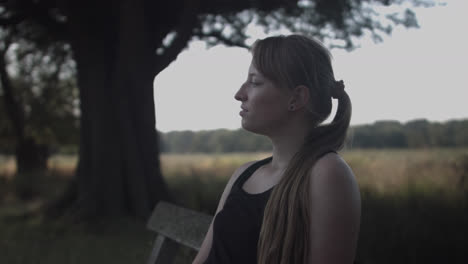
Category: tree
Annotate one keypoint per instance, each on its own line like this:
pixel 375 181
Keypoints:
pixel 39 96
pixel 38 102
pixel 417 133
pixel 120 46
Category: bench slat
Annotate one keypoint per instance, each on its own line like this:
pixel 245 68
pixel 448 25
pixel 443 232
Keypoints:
pixel 182 225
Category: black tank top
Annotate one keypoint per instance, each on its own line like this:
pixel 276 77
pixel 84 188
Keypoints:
pixel 236 227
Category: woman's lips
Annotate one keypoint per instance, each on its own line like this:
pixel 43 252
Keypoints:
pixel 243 111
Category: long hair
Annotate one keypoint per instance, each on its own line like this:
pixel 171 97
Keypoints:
pixel 290 61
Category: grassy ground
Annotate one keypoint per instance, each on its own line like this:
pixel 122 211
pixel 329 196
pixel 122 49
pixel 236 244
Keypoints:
pixel 25 240
pixel 414 208
pixel 34 241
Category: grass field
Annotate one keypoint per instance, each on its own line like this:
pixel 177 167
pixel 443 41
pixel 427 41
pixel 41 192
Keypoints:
pixel 414 208
pixel 384 172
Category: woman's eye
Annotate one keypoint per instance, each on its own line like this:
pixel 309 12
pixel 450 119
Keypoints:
pixel 254 83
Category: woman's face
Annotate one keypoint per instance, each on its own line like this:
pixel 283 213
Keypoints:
pixel 264 105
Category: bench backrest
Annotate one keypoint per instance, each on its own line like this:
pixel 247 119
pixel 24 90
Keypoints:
pixel 176 224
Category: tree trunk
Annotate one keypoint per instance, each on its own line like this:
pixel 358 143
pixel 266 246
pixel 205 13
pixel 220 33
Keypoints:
pixel 31 164
pixel 119 170
pixel 31 157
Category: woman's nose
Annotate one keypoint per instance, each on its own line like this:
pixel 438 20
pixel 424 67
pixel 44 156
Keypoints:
pixel 240 95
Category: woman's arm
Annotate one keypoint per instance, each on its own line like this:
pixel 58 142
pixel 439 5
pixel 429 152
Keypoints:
pixel 206 245
pixel 335 212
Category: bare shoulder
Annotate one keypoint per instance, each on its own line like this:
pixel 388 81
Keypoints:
pixel 335 208
pixel 334 190
pixel 330 172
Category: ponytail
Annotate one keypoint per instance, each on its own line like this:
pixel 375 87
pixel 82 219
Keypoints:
pixel 285 232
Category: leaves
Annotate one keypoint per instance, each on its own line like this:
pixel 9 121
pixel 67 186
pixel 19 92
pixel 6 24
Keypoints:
pixel 43 85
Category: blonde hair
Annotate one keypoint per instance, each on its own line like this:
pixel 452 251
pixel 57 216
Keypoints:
pixel 290 61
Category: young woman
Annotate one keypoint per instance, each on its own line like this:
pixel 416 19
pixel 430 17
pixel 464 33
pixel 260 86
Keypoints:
pixel 302 205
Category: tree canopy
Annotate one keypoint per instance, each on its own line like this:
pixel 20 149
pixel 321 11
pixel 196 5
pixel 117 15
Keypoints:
pixel 42 87
pixel 170 24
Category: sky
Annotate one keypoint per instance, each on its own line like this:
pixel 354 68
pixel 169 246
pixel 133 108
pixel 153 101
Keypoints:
pixel 412 74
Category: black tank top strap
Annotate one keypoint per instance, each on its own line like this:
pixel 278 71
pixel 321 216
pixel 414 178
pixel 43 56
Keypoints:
pixel 245 175
pixel 249 171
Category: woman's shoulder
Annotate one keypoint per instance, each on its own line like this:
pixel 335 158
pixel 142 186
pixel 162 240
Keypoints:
pixel 335 209
pixel 331 163
pixel 332 175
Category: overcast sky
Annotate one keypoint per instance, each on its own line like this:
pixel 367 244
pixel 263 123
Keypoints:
pixel 416 73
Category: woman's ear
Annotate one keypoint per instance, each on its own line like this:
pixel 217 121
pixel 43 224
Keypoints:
pixel 299 97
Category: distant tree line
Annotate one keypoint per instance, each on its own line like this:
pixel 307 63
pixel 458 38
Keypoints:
pixel 382 134
pixel 414 134
pixel 220 140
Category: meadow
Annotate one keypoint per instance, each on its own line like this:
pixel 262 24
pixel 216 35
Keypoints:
pixel 414 208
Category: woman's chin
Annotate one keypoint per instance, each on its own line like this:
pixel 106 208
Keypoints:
pixel 250 127
pixel 246 125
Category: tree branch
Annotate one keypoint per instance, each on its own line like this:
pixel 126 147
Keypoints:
pixel 231 42
pixel 43 16
pixel 38 11
pixel 184 32
pixel 11 21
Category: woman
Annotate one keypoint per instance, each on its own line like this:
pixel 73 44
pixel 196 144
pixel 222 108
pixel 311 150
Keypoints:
pixel 302 205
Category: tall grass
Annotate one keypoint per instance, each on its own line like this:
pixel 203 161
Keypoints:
pixel 414 202
pixel 390 171
pixel 414 208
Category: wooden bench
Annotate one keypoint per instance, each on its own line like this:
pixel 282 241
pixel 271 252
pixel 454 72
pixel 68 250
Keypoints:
pixel 175 226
